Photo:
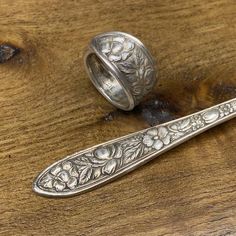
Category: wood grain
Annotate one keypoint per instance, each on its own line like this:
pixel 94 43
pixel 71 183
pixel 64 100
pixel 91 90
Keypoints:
pixel 50 109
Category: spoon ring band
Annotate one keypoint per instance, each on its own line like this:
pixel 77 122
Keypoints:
pixel 121 68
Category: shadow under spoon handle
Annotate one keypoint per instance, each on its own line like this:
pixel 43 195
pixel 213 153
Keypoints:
pixel 103 163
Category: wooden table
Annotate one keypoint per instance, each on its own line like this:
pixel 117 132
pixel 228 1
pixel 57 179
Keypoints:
pixel 49 109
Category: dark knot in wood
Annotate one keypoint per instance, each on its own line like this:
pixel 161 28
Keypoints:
pixel 7 52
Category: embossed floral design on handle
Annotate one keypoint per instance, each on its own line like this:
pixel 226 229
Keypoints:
pixel 103 163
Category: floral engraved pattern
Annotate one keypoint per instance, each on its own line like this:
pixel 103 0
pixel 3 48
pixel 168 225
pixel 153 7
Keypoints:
pixel 156 138
pixel 131 61
pixel 226 110
pixel 60 177
pixel 197 122
pixel 100 163
pixel 117 49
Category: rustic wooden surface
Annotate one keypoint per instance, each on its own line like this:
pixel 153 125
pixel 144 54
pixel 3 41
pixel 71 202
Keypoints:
pixel 49 109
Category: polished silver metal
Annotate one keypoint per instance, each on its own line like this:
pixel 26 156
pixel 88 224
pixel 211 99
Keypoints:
pixel 121 68
pixel 105 162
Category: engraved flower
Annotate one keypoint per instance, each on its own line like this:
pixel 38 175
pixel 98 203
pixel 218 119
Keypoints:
pixel 225 110
pixel 156 138
pixel 117 48
pixel 63 175
pixel 108 157
pixel 197 122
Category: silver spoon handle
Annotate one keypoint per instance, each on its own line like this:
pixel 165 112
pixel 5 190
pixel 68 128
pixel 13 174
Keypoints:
pixel 103 163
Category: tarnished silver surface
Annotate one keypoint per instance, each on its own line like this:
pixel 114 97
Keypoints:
pixel 103 163
pixel 121 68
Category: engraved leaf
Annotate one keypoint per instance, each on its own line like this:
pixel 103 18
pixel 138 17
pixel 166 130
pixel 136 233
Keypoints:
pixel 127 67
pixel 130 153
pixel 81 167
pixel 146 62
pixel 82 161
pixel 181 125
pixel 110 167
pixel 149 73
pixel 184 124
pixel 85 175
pixel 140 59
pixel 132 142
pixel 176 135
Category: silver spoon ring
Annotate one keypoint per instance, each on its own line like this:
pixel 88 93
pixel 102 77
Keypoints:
pixel 121 68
